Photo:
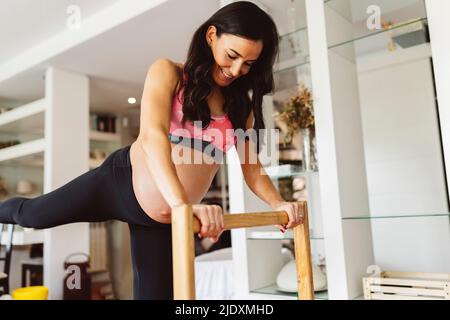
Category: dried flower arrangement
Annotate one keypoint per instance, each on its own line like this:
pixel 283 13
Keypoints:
pixel 297 113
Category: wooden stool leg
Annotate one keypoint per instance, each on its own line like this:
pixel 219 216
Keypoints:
pixel 183 253
pixel 303 258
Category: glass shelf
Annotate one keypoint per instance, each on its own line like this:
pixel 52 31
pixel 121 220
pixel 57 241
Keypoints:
pixel 273 289
pixel 402 36
pixel 355 11
pixel 293 45
pixel 293 66
pixel 293 60
pixel 404 26
pixel 418 215
pixel 291 74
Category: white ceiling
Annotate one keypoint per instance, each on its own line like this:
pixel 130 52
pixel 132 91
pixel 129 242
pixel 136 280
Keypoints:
pixel 26 23
pixel 117 60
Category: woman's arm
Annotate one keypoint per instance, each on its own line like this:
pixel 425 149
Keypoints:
pixel 255 177
pixel 156 105
pixel 261 185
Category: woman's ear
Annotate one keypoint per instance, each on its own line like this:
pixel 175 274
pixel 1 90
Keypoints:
pixel 211 35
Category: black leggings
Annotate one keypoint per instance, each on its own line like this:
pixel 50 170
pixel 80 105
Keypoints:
pixel 102 194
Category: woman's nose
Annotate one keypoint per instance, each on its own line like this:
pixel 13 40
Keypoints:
pixel 235 69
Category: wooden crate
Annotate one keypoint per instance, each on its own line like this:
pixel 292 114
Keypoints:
pixel 389 285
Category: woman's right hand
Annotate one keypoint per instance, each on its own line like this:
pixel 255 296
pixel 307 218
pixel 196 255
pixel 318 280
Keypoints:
pixel 211 220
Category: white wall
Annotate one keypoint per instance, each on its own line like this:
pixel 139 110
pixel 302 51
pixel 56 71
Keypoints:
pixel 405 167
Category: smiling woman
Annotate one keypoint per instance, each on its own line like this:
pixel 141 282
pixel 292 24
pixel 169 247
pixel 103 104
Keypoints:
pixel 231 54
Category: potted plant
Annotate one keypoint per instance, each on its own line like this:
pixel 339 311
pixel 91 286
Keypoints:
pixel 298 116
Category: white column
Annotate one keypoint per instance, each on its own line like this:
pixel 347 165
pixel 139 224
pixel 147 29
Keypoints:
pixel 66 157
pixel 343 186
pixel 439 26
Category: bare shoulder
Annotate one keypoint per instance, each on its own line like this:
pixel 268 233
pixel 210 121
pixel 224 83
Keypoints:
pixel 167 72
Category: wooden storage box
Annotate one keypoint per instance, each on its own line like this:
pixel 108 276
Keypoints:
pixel 407 286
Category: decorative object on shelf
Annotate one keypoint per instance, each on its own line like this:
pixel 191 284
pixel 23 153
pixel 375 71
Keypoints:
pixel 298 113
pixel 290 152
pixel 9 143
pixel 413 33
pixel 285 188
pixel 299 189
pixel 298 116
pixel 388 25
pixel 3 188
pixel 287 278
pixel 306 156
pixel 101 285
pixel 103 122
pixel 25 187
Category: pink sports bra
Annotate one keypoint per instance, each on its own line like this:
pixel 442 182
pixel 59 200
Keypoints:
pixel 215 140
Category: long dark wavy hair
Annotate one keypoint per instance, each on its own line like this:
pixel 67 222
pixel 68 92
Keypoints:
pixel 243 19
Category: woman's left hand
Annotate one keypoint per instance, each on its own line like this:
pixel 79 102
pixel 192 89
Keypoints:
pixel 294 212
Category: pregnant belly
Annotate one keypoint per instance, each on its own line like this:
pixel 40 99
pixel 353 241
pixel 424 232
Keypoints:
pixel 195 178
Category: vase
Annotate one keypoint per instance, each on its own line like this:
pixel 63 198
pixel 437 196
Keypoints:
pixel 308 152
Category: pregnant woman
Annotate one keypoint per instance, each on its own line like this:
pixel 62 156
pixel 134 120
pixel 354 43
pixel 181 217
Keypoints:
pixel 188 115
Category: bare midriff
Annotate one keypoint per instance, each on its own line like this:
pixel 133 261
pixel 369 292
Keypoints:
pixel 195 178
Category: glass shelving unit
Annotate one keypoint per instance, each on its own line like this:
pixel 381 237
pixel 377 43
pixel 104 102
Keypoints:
pixel 408 226
pixel 397 28
pixel 291 71
pixel 362 39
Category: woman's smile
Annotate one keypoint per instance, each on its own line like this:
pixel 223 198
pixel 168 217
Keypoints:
pixel 224 76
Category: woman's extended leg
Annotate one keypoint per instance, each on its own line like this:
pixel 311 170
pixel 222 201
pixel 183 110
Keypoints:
pixel 102 194
pixel 91 197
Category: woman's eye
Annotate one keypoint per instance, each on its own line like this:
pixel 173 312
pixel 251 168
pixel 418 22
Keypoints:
pixel 231 57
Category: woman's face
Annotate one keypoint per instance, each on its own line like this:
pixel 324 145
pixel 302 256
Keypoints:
pixel 233 55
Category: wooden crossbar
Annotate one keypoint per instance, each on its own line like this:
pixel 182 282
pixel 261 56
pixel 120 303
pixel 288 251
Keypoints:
pixel 185 225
